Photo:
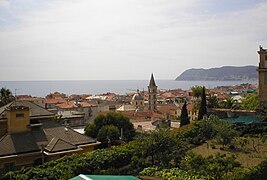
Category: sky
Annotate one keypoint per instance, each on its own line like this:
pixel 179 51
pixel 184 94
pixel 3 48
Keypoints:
pixel 126 39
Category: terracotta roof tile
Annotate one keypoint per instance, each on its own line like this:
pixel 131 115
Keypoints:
pixel 86 104
pixel 168 95
pixel 54 100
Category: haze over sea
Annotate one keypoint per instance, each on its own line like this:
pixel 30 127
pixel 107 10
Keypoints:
pixel 42 88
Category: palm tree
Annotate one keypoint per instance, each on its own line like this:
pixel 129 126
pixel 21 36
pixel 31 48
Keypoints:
pixel 229 103
pixel 197 91
pixel 6 96
pixel 212 101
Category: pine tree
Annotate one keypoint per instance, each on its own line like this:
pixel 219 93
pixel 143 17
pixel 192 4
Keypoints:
pixel 184 116
pixel 203 105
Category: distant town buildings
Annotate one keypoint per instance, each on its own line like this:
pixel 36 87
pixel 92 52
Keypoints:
pixel 35 129
pixel 138 101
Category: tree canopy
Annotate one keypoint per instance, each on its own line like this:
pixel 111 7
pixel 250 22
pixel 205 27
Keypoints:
pixel 160 147
pixel 184 116
pixel 203 105
pixel 223 131
pixel 110 125
pixel 197 91
pixel 251 102
pixel 5 96
pixel 108 133
pixel 212 101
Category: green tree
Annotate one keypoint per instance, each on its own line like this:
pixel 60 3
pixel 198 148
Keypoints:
pixel 212 167
pixel 108 133
pixel 251 102
pixel 5 96
pixel 212 101
pixel 184 116
pixel 90 130
pixel 160 147
pixel 223 131
pixel 111 118
pixel 197 91
pixel 229 103
pixel 203 105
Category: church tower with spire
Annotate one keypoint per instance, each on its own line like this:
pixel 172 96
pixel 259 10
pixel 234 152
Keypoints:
pixel 152 94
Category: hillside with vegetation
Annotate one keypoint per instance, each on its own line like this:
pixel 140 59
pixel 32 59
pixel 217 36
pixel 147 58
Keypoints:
pixel 225 73
pixel 166 154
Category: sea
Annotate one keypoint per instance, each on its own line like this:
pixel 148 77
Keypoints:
pixel 43 88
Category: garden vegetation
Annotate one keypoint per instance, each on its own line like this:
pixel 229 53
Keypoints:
pixel 161 153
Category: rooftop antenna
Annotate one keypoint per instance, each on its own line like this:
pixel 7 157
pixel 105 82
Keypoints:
pixel 16 95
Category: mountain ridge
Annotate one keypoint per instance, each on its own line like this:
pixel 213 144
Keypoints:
pixel 224 73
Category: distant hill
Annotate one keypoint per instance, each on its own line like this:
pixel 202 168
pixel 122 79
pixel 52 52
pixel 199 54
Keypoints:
pixel 225 73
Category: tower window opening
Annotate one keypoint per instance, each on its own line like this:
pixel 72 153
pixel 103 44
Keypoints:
pixel 19 115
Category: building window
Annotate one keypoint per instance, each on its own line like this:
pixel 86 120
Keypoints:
pixel 265 78
pixel 19 115
pixel 265 57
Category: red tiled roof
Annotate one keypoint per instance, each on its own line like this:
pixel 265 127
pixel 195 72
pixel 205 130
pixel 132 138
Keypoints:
pixel 190 107
pixel 55 100
pixel 85 104
pixel 221 96
pixel 67 105
pixel 167 95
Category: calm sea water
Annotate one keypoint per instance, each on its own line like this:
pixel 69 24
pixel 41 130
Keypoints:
pixel 42 88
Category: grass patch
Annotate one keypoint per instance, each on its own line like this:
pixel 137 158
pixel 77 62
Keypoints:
pixel 246 155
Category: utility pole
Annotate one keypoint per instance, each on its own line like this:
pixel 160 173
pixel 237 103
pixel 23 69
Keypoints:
pixel 16 93
pixel 121 137
pixel 109 142
pixel 42 151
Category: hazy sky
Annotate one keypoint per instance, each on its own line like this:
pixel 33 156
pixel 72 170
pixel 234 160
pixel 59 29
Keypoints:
pixel 126 39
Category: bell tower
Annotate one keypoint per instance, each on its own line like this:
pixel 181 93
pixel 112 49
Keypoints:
pixel 262 70
pixel 152 94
